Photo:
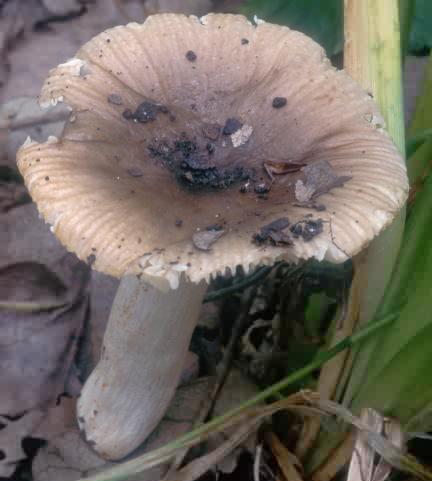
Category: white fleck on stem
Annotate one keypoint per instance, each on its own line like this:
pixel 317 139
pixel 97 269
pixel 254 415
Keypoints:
pixel 142 357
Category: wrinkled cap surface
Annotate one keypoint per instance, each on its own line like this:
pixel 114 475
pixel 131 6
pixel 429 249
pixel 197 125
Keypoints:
pixel 196 145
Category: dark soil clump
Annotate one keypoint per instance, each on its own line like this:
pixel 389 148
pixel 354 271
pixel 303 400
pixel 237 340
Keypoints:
pixel 145 112
pixel 191 56
pixel 194 168
pixel 231 126
pixel 279 102
pixel 307 229
pixel 272 234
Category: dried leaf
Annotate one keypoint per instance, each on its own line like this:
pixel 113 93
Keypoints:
pixel 11 195
pixel 273 167
pixel 12 433
pixel 38 348
pixel 319 178
pixel 273 233
pixel 11 25
pixel 201 465
pixel 61 7
pixel 203 240
pixel 22 117
pixel 286 460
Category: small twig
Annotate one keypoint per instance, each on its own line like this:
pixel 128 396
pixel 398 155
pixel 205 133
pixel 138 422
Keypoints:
pixel 30 306
pixel 226 362
pixel 209 403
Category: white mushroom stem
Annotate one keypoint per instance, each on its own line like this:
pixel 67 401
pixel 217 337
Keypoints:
pixel 142 357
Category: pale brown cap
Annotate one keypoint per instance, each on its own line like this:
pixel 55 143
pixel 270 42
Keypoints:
pixel 178 128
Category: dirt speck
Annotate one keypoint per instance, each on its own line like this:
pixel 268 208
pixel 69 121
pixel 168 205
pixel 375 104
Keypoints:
pixel 145 112
pixel 211 131
pixel 231 126
pixel 279 102
pixel 91 259
pixel 115 99
pixel 191 56
pixel 244 41
pixel 261 188
pixel 135 172
pixel 178 222
pixel 307 229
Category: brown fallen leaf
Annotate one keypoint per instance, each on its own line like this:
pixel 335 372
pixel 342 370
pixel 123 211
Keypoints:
pixel 11 25
pixel 273 168
pixel 319 178
pixel 288 463
pixel 12 432
pixel 38 348
pixel 21 117
pixel 203 240
pixel 61 7
pixel 11 195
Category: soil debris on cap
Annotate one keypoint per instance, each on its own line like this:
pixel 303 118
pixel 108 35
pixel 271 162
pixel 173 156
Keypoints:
pixel 273 168
pixel 214 227
pixel 91 259
pixel 311 205
pixel 135 172
pixel 231 126
pixel 115 99
pixel 191 56
pixel 193 166
pixel 307 229
pixel 145 112
pixel 242 135
pixel 178 222
pixel 203 240
pixel 279 102
pixel 211 131
pixel 261 188
pixel 272 234
pixel 320 178
pixel 244 41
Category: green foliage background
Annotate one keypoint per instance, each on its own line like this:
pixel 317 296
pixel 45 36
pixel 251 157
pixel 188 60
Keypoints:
pixel 323 20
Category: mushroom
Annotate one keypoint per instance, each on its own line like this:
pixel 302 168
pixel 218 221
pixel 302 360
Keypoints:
pixel 196 145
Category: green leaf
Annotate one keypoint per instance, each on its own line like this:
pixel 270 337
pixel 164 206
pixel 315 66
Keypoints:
pixel 398 381
pixel 415 142
pixel 323 21
pixel 422 120
pixel 421 30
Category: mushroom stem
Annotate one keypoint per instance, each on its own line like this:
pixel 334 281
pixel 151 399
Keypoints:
pixel 143 352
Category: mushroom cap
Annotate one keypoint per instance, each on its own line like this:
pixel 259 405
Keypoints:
pixel 181 123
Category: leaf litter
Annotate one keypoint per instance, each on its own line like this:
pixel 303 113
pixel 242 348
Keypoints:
pixel 62 457
pixel 50 301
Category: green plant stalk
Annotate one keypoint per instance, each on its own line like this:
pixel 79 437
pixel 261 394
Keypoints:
pixel 422 120
pixel 129 468
pixel 406 13
pixel 376 64
pixel 372 56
